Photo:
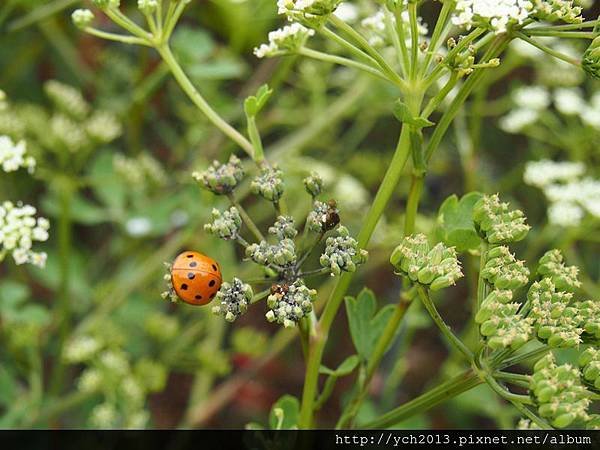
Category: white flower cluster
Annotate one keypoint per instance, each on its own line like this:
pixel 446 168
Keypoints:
pixel 495 14
pixel 570 196
pixel 531 101
pixel 18 229
pixel 13 155
pixel 285 40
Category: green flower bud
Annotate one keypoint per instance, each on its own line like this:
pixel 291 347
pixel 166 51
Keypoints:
pixel 225 225
pixel 283 228
pixel 557 10
pixel 558 392
pixel 147 6
pixel 496 223
pixel 342 253
pixel 552 265
pixel 504 271
pixel 82 18
pixel 290 303
pixel 555 321
pixel 589 315
pixel 233 299
pixel 269 184
pixel 221 178
pixel 437 267
pixel 282 254
pixel 313 184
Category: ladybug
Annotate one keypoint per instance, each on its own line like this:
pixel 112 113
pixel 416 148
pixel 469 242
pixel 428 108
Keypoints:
pixel 196 278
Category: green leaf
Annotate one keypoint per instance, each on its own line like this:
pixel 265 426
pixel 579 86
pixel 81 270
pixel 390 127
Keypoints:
pixel 345 368
pixel 403 114
pixel 284 413
pixel 455 222
pixel 254 103
pixel 365 325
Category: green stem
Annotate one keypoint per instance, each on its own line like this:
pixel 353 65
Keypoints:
pixel 568 27
pixel 442 126
pixel 445 391
pixel 360 39
pixel 201 103
pixel 412 204
pixel 333 59
pixel 246 218
pixel 386 189
pixel 125 39
pixel 401 52
pixel 253 133
pixel 438 33
pixel 444 328
pixel 440 96
pixel 414 39
pixel 482 287
pixel 547 49
pixel 381 347
pixel 562 34
pixel 63 306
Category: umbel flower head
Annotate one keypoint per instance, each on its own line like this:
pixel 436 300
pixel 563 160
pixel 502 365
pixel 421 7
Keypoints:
pixel 437 267
pixel 18 230
pixel 555 320
pixel 283 41
pixel 269 184
pixel 225 225
pixel 559 393
pixel 290 303
pixel 283 228
pixel 557 10
pixel 233 299
pixel 589 315
pixel 504 271
pixel 221 178
pixel 591 59
pixel 564 277
pixel 497 223
pixel 342 253
pixel 282 254
pixel 501 324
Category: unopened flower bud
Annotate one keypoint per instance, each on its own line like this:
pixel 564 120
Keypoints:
pixel 82 18
pixel 496 223
pixel 342 253
pixel 313 184
pixel 233 299
pixel 221 178
pixel 269 184
pixel 226 225
pixel 591 59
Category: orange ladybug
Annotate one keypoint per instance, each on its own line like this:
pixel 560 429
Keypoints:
pixel 196 278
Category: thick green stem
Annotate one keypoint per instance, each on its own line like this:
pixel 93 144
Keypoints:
pixel 443 327
pixel 386 189
pixel 201 103
pixel 450 389
pixel 63 306
pixel 412 204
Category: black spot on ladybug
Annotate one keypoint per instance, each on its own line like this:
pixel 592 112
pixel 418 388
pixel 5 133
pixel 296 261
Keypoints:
pixel 190 256
pixel 198 297
pixel 193 264
pixel 211 283
pixel 214 267
pixel 191 276
pixel 212 296
pixel 184 286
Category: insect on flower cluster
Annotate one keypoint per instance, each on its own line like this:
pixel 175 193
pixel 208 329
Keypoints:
pixel 282 255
